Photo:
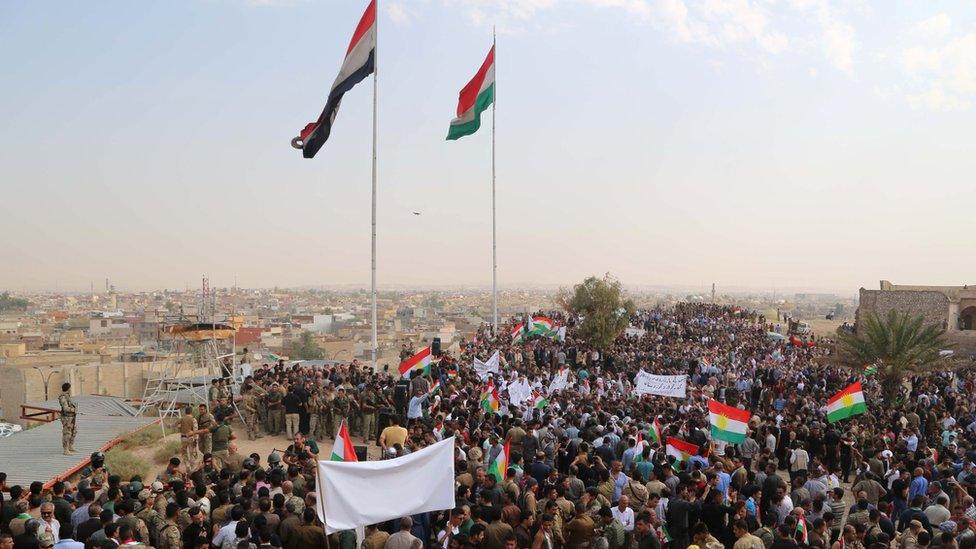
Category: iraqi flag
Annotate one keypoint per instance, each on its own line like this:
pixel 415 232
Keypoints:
pixel 474 98
pixel 359 63
pixel 342 449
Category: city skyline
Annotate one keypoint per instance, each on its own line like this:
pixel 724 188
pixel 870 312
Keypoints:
pixel 805 144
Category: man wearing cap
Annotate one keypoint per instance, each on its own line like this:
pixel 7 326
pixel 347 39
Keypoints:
pixel 148 515
pixel 68 417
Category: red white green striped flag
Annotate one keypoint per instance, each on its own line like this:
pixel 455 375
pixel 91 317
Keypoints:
pixel 518 332
pixel 728 423
pixel 434 388
pixel 474 98
pixel 802 535
pixel 849 402
pixel 419 361
pixel 499 466
pixel 539 401
pixel 489 399
pixel 654 435
pixel 342 449
pixel 680 450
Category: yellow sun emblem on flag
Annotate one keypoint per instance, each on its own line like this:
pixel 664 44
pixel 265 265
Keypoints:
pixel 847 401
pixel 723 423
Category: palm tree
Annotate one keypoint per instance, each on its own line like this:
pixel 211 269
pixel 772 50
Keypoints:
pixel 898 345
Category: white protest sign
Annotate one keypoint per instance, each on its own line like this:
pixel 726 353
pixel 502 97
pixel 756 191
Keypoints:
pixel 483 368
pixel 653 384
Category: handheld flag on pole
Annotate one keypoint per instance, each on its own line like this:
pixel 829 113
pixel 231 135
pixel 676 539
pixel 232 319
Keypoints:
pixel 342 449
pixel 848 402
pixel 475 97
pixel 680 450
pixel 359 63
pixel 728 423
pixel 419 361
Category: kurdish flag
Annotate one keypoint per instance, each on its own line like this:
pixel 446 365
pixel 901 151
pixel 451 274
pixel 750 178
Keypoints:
pixel 474 99
pixel 499 465
pixel 680 450
pixel 802 535
pixel 342 449
pixel 539 401
pixel 654 433
pixel 489 399
pixel 358 64
pixel 436 386
pixel 542 325
pixel 870 370
pixel 728 423
pixel 518 332
pixel 419 361
pixel 849 402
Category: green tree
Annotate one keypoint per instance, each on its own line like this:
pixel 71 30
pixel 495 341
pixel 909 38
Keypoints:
pixel 898 344
pixel 305 348
pixel 603 312
pixel 10 303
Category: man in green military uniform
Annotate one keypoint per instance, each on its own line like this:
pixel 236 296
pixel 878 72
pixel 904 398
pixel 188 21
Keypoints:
pixel 369 404
pixel 326 426
pixel 205 420
pixel 189 431
pixel 250 405
pixel 341 407
pixel 68 417
pixel 275 411
pixel 168 535
pixel 214 392
pixel 222 435
pixel 149 515
pixel 313 406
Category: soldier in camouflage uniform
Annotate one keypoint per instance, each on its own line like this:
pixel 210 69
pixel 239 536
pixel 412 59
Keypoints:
pixel 205 420
pixel 369 404
pixel 68 417
pixel 214 392
pixel 168 535
pixel 226 392
pixel 149 515
pixel 189 431
pixel 342 406
pixel 250 407
pixel 313 406
pixel 327 426
pixel 128 518
pixel 276 411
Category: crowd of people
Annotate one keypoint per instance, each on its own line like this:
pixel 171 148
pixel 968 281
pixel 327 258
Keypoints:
pixel 586 467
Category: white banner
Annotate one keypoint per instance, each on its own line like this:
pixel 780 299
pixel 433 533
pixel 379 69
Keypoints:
pixel 560 381
pixel 483 368
pixel 355 494
pixel 519 392
pixel 653 384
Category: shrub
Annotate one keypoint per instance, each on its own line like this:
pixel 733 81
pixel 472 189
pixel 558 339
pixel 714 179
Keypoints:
pixel 146 437
pixel 125 464
pixel 168 450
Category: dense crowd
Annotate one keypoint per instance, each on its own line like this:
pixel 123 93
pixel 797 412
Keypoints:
pixel 583 468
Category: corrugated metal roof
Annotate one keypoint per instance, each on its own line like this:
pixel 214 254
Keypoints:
pixel 93 405
pixel 36 454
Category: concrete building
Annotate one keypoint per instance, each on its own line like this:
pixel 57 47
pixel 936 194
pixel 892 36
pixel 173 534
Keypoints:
pixel 951 307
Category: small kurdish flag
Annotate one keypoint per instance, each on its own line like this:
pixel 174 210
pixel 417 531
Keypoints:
pixel 654 433
pixel 499 466
pixel 801 530
pixel 518 332
pixel 342 449
pixel 419 361
pixel 542 325
pixel 539 401
pixel 489 399
pixel 849 402
pixel 728 423
pixel 452 374
pixel 434 388
pixel 870 370
pixel 680 450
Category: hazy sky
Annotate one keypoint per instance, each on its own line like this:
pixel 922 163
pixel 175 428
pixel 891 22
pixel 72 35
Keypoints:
pixel 823 144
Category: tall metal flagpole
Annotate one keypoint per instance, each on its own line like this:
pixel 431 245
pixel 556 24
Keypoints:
pixel 376 70
pixel 494 257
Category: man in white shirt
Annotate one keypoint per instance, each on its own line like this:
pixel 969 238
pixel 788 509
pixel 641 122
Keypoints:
pixel 227 533
pixel 48 522
pixel 624 514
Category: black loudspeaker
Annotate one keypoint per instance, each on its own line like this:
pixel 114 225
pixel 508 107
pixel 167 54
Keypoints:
pixel 401 396
pixel 360 453
pixel 383 420
pixel 435 347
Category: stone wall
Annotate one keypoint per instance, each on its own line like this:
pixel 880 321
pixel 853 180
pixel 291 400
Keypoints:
pixel 933 306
